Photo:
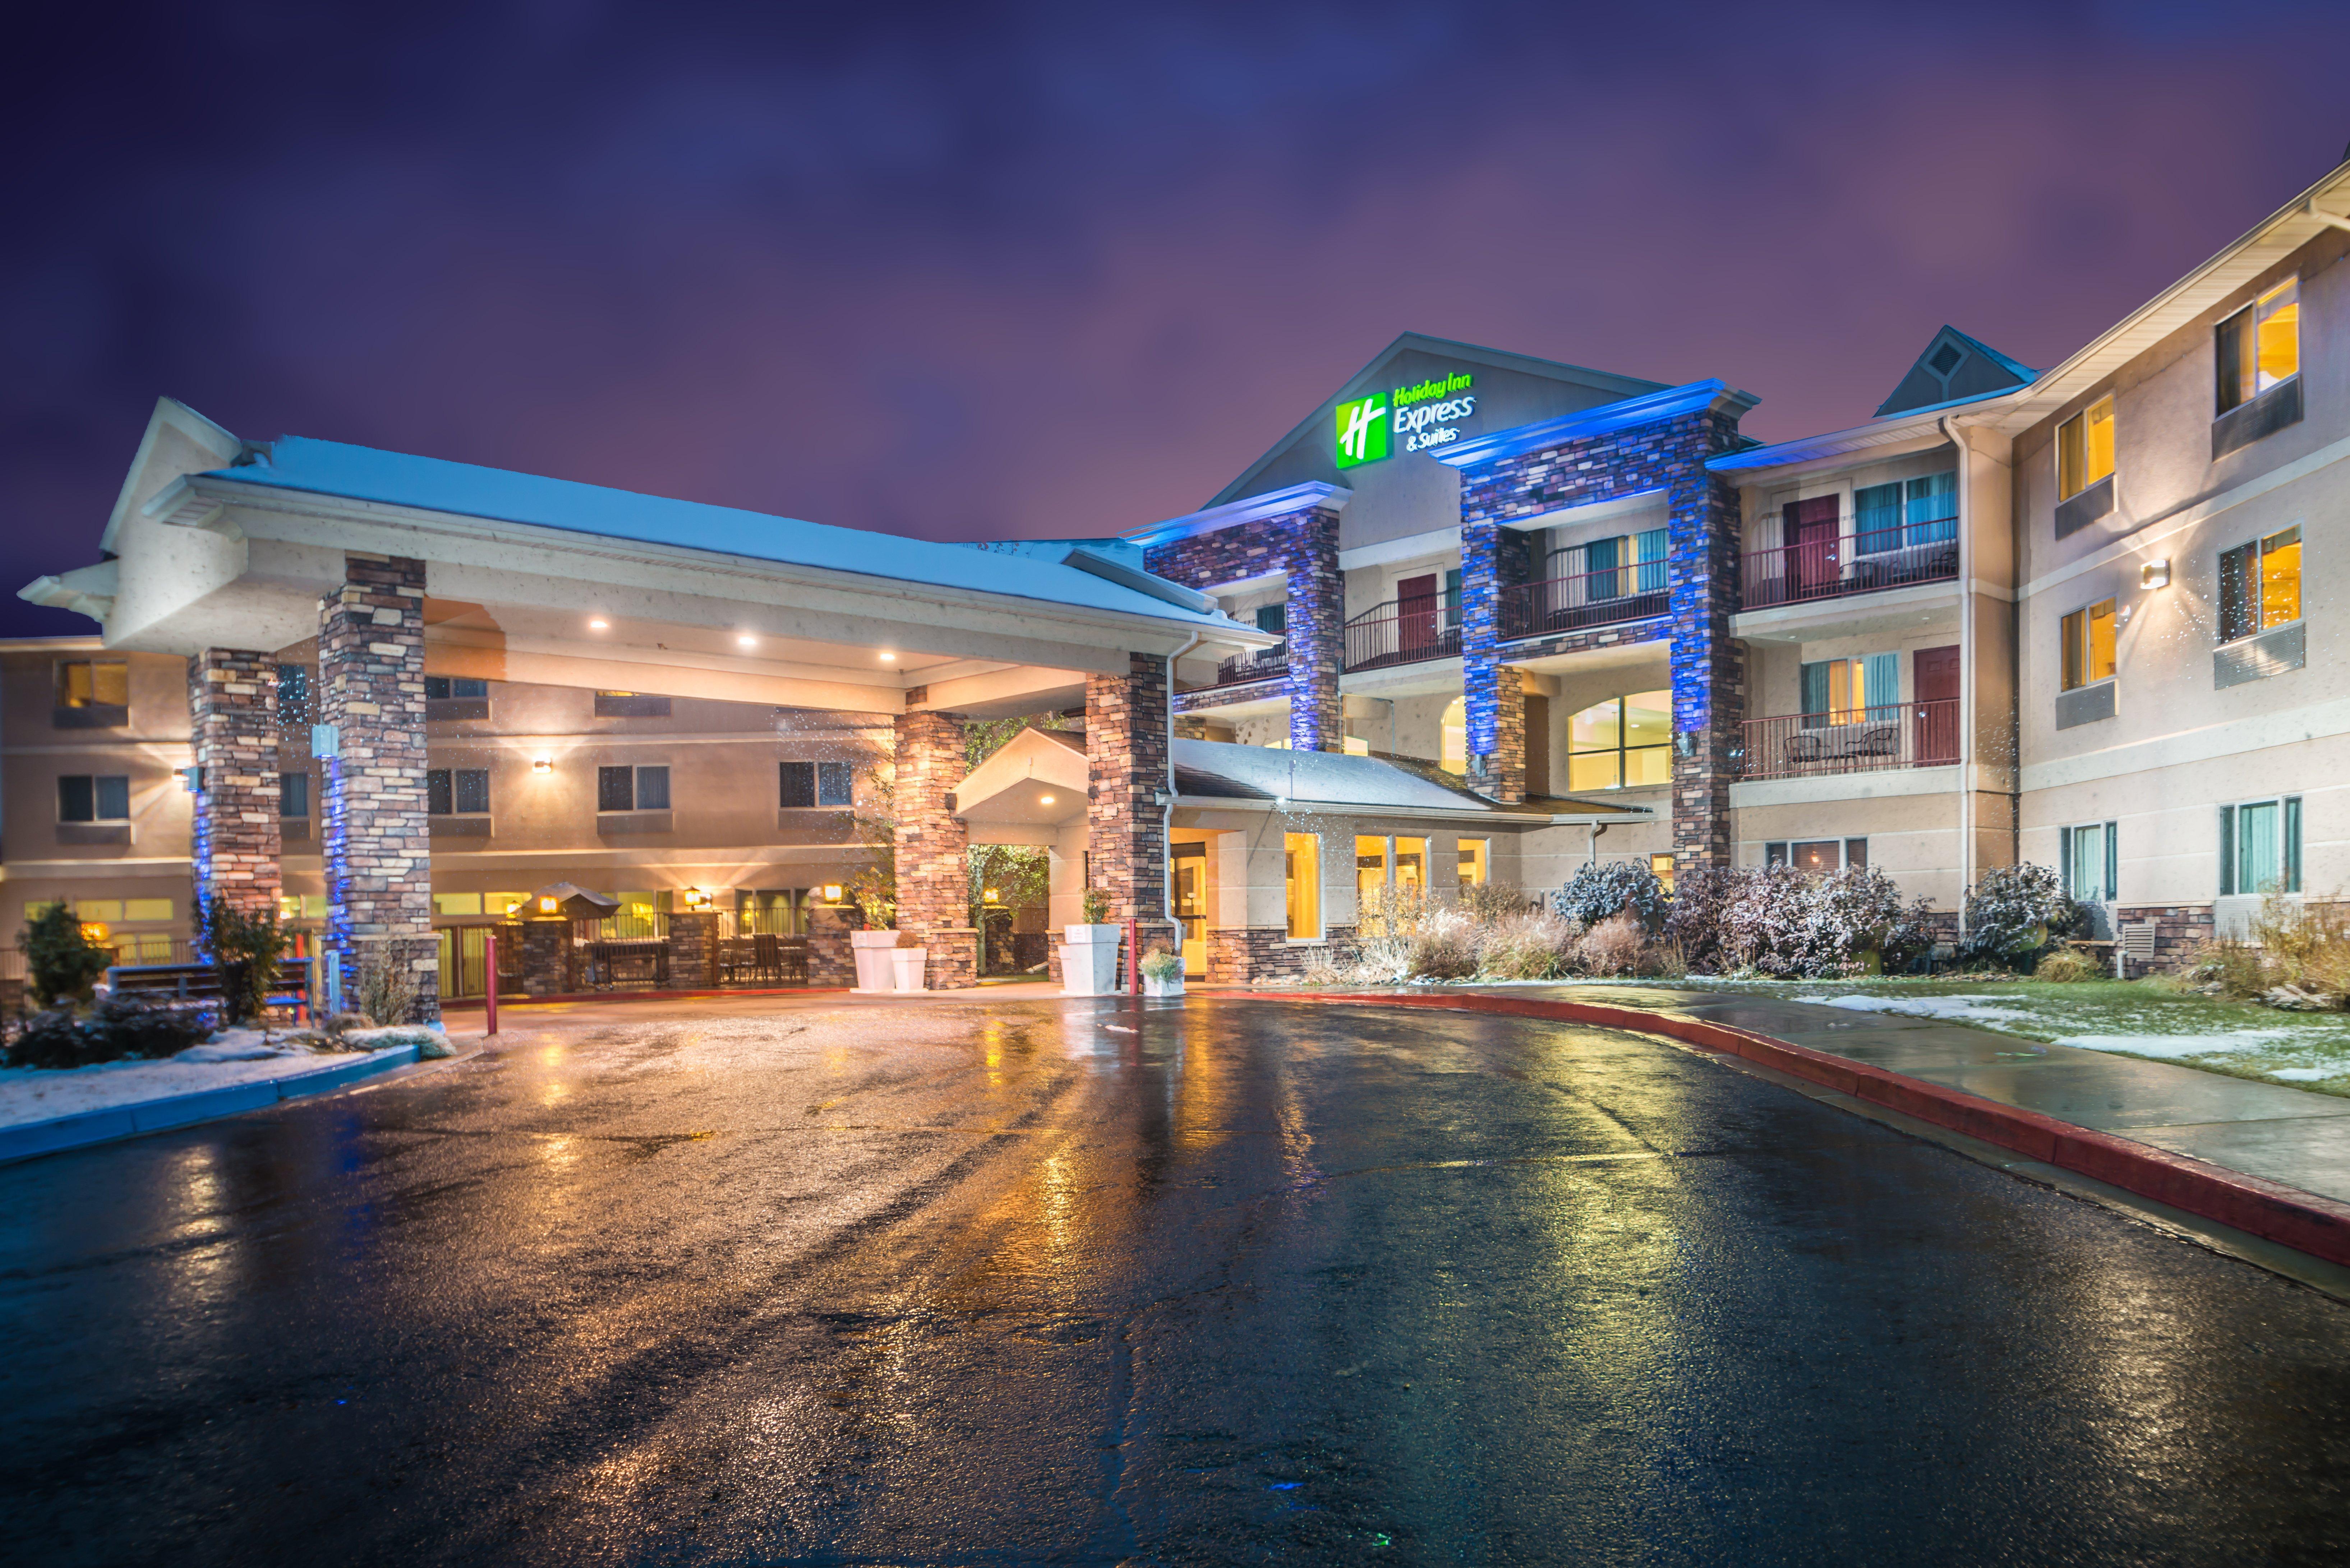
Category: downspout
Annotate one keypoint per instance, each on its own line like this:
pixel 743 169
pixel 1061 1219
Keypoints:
pixel 1596 829
pixel 1966 674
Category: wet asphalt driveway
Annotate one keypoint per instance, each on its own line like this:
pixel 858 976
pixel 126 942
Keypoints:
pixel 1230 1282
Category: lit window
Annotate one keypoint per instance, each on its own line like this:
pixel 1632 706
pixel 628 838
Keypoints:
pixel 1370 881
pixel 2260 847
pixel 1411 863
pixel 1301 884
pixel 2090 860
pixel 1851 690
pixel 1662 864
pixel 1622 743
pixel 2259 584
pixel 1452 737
pixel 1817 855
pixel 2088 637
pixel 1475 862
pixel 93 683
pixel 2260 345
pixel 2085 449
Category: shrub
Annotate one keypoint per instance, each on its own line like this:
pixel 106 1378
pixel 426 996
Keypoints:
pixel 1445 947
pixel 386 990
pixel 1762 921
pixel 1488 903
pixel 1597 892
pixel 116 1029
pixel 1779 922
pixel 1701 896
pixel 2307 944
pixel 1097 907
pixel 244 947
pixel 2015 909
pixel 1161 964
pixel 2231 969
pixel 2067 965
pixel 1614 946
pixel 1532 944
pixel 60 961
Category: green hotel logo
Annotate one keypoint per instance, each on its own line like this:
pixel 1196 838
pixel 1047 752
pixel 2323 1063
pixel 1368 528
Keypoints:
pixel 1362 430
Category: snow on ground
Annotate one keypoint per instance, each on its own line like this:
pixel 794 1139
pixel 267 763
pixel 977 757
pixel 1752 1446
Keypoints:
pixel 1946 1009
pixel 2180 1047
pixel 37 1094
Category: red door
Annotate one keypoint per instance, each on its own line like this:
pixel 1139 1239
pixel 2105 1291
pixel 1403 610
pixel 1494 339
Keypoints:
pixel 1813 532
pixel 1936 673
pixel 1416 607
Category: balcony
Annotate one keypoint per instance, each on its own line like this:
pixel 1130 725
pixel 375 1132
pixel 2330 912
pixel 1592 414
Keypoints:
pixel 1265 664
pixel 1856 741
pixel 1591 598
pixel 1838 568
pixel 1400 631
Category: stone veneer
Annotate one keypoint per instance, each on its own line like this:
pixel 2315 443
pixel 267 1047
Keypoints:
pixel 933 862
pixel 1126 767
pixel 1709 674
pixel 831 961
pixel 550 961
pixel 2178 929
pixel 233 721
pixel 1254 955
pixel 692 950
pixel 377 857
pixel 1303 546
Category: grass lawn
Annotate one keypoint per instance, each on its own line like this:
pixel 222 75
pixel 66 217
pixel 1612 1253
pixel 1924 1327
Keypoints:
pixel 2133 1017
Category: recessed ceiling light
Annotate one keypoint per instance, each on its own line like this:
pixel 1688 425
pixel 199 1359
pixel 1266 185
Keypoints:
pixel 888 659
pixel 747 640
pixel 1043 800
pixel 600 624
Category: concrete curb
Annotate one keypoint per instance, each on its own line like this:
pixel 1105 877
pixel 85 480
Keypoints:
pixel 508 1003
pixel 2304 1221
pixel 29 1141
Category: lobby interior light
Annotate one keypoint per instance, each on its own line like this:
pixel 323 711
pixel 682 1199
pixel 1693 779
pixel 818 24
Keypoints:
pixel 2155 573
pixel 832 892
pixel 542 764
pixel 546 906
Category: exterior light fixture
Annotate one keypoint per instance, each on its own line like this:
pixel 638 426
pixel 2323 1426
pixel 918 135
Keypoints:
pixel 94 932
pixel 888 659
pixel 2155 573
pixel 747 640
pixel 546 906
pixel 993 895
pixel 1043 800
pixel 542 764
pixel 600 624
pixel 832 892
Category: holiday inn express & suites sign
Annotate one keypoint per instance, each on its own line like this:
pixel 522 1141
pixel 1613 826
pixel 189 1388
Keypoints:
pixel 1408 419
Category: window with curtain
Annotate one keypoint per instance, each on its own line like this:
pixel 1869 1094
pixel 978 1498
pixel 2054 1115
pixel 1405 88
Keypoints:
pixel 2259 584
pixel 2090 858
pixel 2085 449
pixel 1876 512
pixel 1852 691
pixel 2087 636
pixel 2260 345
pixel 1615 567
pixel 1932 513
pixel 2260 847
pixel 1452 599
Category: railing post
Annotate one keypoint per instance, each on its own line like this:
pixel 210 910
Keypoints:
pixel 490 980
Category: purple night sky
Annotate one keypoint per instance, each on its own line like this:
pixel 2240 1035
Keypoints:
pixel 993 271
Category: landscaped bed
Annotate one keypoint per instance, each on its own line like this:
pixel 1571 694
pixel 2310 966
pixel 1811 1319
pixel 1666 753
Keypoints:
pixel 41 1094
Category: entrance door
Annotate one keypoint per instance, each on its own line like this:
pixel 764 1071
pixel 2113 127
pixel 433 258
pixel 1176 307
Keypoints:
pixel 1416 607
pixel 1192 905
pixel 1936 673
pixel 1812 534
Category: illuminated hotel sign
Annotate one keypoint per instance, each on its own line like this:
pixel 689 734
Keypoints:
pixel 1408 419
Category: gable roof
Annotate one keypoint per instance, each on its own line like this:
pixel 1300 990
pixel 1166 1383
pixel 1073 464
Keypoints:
pixel 1604 381
pixel 305 466
pixel 1954 367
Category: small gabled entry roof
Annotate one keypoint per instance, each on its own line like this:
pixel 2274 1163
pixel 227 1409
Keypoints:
pixel 1955 367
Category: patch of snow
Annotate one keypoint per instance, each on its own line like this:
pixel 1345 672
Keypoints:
pixel 37 1094
pixel 2306 1074
pixel 390 1034
pixel 2177 1047
pixel 1945 1009
pixel 238 1045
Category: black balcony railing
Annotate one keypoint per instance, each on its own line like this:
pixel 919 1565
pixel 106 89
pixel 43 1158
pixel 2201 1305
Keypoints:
pixel 1830 568
pixel 1589 598
pixel 1400 631
pixel 1265 664
pixel 1857 741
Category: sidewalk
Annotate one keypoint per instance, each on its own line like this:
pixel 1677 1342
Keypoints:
pixel 2297 1137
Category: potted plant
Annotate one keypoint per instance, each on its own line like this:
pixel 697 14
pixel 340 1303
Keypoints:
pixel 1162 972
pixel 1089 957
pixel 907 961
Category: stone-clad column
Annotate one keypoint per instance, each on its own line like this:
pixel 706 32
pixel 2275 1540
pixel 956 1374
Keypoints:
pixel 1492 561
pixel 378 853
pixel 1126 764
pixel 1708 665
pixel 232 717
pixel 933 868
pixel 1303 546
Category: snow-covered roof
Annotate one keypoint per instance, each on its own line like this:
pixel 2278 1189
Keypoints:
pixel 1225 769
pixel 433 484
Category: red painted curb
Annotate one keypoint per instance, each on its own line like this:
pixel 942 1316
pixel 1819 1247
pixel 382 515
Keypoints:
pixel 2270 1209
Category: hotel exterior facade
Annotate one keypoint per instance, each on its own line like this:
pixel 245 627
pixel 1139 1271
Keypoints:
pixel 1477 616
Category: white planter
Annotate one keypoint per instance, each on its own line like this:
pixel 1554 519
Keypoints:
pixel 906 966
pixel 872 950
pixel 1090 961
pixel 1171 986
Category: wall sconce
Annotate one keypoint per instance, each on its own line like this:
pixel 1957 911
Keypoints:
pixel 546 906
pixel 831 892
pixel 542 764
pixel 697 899
pixel 2155 573
pixel 992 896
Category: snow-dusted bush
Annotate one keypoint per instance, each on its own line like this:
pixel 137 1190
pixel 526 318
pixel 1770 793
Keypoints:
pixel 2013 910
pixel 1445 947
pixel 1532 944
pixel 117 1029
pixel 1701 896
pixel 1595 893
pixel 1787 923
pixel 1616 945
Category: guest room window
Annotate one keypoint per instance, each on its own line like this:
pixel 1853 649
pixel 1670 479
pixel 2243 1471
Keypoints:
pixel 632 789
pixel 2259 584
pixel 1622 743
pixel 1867 689
pixel 2085 449
pixel 1922 510
pixel 2087 636
pixel 2260 345
pixel 2091 858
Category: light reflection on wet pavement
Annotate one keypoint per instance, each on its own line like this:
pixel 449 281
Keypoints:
pixel 1044 1283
